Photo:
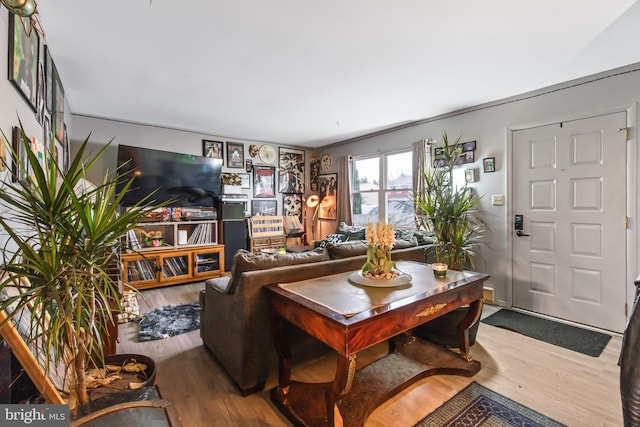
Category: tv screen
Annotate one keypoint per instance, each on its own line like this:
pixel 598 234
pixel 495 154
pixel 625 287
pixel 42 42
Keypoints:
pixel 188 179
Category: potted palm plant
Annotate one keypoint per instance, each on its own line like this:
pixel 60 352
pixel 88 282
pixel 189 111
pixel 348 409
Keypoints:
pixel 451 213
pixel 63 238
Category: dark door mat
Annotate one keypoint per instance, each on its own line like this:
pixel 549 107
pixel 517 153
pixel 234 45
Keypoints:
pixel 583 341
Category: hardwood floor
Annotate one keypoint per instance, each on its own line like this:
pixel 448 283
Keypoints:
pixel 572 388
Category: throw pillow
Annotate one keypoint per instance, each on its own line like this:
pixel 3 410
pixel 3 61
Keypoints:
pixel 333 238
pixel 353 232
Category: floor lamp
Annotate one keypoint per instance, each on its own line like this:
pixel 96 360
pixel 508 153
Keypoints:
pixel 313 202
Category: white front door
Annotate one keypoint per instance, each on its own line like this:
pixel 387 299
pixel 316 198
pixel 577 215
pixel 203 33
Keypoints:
pixel 569 185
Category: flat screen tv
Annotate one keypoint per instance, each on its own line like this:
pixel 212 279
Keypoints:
pixel 188 179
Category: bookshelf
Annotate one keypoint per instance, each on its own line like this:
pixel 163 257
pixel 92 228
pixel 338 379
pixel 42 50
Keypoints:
pixel 167 253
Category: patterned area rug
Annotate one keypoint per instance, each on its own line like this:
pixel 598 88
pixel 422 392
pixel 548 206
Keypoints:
pixel 584 341
pixel 169 320
pixel 478 406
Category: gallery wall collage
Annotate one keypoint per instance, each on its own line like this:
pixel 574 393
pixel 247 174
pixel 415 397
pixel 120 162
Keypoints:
pixel 270 171
pixel 33 73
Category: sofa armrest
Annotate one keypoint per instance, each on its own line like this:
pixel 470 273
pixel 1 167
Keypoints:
pixel 220 284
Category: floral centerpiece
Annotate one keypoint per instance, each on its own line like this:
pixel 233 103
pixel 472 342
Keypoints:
pixel 380 240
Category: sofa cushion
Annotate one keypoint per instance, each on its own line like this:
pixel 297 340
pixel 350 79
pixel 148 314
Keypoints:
pixel 332 239
pixel 249 261
pixel 405 243
pixel 424 237
pixel 353 232
pixel 347 249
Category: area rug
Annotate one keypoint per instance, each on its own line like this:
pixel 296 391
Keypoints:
pixel 169 320
pixel 584 341
pixel 478 406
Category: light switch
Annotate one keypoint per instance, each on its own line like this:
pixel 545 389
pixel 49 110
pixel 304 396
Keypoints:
pixel 497 200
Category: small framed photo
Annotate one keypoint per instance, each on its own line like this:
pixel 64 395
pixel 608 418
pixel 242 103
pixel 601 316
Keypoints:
pixel 264 207
pixel 235 155
pixel 465 157
pixel 212 149
pixel 489 164
pixel 469 175
pixel 245 180
pixel 469 146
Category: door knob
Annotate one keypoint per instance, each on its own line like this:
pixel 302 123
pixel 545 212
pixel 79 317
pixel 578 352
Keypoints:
pixel 519 233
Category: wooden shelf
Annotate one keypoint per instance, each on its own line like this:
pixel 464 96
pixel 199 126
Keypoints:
pixel 169 253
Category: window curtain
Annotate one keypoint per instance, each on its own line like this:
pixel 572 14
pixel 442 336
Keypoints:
pixel 421 165
pixel 344 190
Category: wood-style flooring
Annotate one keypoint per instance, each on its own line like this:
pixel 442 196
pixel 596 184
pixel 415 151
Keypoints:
pixel 572 388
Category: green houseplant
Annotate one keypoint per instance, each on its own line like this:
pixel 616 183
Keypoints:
pixel 63 237
pixel 450 212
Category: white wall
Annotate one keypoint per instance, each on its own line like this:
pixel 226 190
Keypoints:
pixel 491 125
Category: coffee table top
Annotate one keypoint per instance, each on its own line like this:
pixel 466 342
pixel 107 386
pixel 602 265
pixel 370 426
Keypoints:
pixel 343 296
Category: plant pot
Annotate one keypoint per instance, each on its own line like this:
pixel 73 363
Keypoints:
pixel 443 330
pixel 119 360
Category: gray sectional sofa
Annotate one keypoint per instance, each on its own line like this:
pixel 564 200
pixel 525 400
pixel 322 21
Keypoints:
pixel 234 322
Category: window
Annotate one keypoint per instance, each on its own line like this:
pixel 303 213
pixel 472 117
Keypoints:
pixel 382 189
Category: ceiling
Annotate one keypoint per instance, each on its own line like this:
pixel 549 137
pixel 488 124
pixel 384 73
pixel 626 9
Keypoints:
pixel 314 73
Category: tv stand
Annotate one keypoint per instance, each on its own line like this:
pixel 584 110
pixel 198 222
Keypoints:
pixel 172 252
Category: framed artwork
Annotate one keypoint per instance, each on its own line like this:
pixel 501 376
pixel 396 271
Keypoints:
pixel 264 207
pixel 292 205
pixel 466 157
pixel 489 164
pixel 469 146
pixel 264 181
pixel 328 192
pixel 235 155
pixel 48 79
pixel 291 171
pixel 19 166
pixel 212 149
pixel 40 97
pixel 66 150
pixel 314 163
pixel 245 180
pixel 57 115
pixel 24 59
pixel 3 154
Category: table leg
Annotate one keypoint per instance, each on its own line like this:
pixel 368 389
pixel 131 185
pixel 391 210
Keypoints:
pixel 473 316
pixel 345 372
pixel 284 355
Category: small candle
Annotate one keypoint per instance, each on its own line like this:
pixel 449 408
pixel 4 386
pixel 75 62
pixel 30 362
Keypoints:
pixel 439 269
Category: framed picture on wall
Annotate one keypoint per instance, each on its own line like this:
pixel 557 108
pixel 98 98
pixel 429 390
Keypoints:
pixel 292 205
pixel 24 53
pixel 264 181
pixel 291 171
pixel 212 149
pixel 235 155
pixel 48 79
pixel 20 166
pixel 489 164
pixel 264 207
pixel 57 115
pixel 328 192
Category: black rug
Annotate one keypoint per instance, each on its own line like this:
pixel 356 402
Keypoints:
pixel 583 341
pixel 169 320
pixel 478 406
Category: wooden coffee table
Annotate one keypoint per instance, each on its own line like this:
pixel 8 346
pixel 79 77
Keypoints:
pixel 350 318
